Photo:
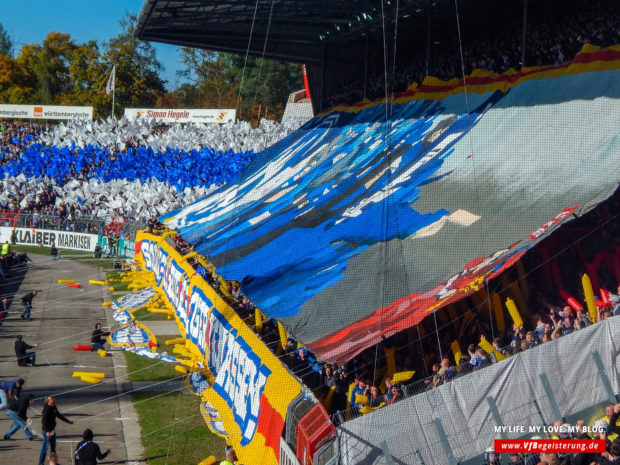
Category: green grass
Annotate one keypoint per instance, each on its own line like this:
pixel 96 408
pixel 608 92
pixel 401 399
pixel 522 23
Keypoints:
pixel 105 263
pixel 146 369
pixel 173 430
pixel 143 314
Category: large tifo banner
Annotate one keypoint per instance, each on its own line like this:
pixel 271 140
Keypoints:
pixel 45 238
pixel 45 112
pixel 182 116
pixel 249 386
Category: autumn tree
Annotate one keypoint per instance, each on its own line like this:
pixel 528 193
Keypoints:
pixel 14 81
pixel 137 69
pixel 6 44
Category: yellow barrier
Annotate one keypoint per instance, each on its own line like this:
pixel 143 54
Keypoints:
pixel 283 335
pixel 190 255
pixel 98 283
pixel 498 311
pixel 514 312
pixel 327 402
pixel 90 379
pixel 181 369
pixel 456 350
pixel 588 293
pixel 160 310
pixel 67 281
pixel 488 347
pixel 402 376
pixel 210 460
pixel 259 321
pixel 77 374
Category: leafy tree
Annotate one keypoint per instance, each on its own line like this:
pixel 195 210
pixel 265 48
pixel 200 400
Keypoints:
pixel 223 80
pixel 212 75
pixel 137 68
pixel 87 74
pixel 14 81
pixel 6 44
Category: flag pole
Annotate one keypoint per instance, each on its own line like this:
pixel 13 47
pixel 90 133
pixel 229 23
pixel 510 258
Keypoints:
pixel 113 95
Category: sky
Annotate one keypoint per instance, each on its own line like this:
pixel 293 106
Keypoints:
pixel 29 21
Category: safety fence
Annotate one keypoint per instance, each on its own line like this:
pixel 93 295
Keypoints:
pixel 406 390
pixel 567 379
pixel 69 223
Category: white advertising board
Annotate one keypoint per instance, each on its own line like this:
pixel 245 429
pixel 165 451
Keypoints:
pixel 182 115
pixel 45 112
pixel 47 237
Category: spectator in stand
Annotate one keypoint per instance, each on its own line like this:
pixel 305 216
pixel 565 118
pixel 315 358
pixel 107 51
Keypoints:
pixel 531 340
pixel 483 359
pixel 375 400
pixel 396 394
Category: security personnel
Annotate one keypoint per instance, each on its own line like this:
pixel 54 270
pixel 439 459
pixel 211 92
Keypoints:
pixel 6 248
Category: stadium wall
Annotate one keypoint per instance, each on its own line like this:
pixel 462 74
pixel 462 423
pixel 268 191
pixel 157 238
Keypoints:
pixel 463 407
pixel 249 386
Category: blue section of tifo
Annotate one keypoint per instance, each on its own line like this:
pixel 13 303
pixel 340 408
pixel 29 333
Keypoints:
pixel 311 203
pixel 178 167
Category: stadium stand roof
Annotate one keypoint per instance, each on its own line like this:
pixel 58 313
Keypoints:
pixel 294 31
pixel 334 39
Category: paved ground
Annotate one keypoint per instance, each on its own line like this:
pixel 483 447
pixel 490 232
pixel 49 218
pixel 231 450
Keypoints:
pixel 62 318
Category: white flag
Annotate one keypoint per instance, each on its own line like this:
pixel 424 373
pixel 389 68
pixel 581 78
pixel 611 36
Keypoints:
pixel 109 87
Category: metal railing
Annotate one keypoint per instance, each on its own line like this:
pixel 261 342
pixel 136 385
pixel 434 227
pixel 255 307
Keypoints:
pixel 83 224
pixel 417 387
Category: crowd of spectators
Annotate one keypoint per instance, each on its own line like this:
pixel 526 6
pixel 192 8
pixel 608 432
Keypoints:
pixel 553 39
pixel 69 174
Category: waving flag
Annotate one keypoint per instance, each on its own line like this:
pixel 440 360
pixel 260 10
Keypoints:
pixel 109 87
